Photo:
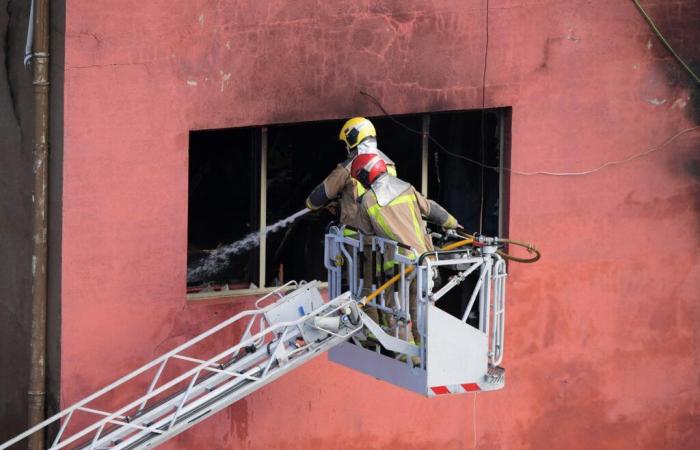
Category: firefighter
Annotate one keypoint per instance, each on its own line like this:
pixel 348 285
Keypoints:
pixel 391 208
pixel 360 137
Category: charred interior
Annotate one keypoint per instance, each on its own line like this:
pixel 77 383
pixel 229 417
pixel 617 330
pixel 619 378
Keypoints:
pixel 225 177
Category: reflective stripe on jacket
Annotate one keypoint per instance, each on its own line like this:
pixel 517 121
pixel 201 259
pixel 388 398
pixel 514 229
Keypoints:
pixel 340 183
pixel 401 219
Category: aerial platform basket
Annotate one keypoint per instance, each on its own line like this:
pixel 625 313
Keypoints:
pixel 454 354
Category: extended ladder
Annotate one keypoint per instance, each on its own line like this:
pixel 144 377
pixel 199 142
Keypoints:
pixel 211 371
pixel 277 338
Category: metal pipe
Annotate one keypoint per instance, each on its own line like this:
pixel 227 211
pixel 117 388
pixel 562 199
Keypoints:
pixel 37 345
pixel 424 154
pixel 262 260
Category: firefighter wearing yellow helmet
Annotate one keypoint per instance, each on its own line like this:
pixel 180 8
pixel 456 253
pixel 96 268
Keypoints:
pixel 360 137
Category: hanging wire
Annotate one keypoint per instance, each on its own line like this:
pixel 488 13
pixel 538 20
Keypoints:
pixel 482 137
pixel 28 48
pixel 663 40
pixel 539 172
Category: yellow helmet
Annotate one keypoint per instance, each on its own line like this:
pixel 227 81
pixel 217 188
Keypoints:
pixel 355 131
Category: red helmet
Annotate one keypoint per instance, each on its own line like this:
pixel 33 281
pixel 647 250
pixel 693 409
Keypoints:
pixel 367 167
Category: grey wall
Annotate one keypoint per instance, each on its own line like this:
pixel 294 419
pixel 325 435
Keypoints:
pixel 16 186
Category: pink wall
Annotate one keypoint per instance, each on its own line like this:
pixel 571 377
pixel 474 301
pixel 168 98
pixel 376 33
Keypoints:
pixel 602 341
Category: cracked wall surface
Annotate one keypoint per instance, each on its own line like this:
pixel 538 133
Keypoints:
pixel 601 335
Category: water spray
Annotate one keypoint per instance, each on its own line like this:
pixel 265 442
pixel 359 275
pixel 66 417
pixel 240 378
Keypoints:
pixel 219 258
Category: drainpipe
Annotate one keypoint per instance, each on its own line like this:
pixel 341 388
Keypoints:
pixel 37 369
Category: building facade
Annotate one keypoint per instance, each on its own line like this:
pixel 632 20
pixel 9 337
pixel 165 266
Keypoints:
pixel 601 334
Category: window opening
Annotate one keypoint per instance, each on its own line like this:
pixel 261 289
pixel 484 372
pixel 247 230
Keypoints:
pixel 246 178
pixel 222 203
pixel 456 183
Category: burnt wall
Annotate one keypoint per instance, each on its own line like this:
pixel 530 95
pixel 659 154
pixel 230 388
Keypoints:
pixel 601 334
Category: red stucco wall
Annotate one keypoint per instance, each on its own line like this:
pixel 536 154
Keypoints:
pixel 602 341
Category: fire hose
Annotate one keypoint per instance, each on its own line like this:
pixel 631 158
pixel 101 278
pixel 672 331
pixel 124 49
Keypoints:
pixel 470 239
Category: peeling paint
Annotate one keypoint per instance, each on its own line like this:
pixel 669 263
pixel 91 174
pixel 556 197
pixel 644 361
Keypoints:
pixel 656 101
pixel 224 78
pixel 679 103
pixel 570 35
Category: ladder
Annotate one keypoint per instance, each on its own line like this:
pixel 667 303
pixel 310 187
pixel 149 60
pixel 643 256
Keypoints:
pixel 186 385
pixel 293 324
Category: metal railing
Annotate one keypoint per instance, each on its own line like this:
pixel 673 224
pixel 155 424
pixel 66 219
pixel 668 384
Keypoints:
pixel 345 254
pixel 267 349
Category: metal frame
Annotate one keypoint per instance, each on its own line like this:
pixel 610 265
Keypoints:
pixel 262 250
pixel 342 263
pixel 267 350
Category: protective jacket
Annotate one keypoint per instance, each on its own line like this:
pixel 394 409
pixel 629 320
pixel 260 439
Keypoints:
pixel 393 209
pixel 339 184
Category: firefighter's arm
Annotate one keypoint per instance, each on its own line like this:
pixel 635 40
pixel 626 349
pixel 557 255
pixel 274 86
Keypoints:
pixel 434 213
pixel 328 190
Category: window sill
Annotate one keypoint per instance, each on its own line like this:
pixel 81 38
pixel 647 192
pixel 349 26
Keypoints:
pixel 235 295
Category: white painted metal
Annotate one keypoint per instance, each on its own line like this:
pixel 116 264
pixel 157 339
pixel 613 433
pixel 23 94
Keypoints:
pixel 424 154
pixel 269 349
pixel 451 351
pixel 457 353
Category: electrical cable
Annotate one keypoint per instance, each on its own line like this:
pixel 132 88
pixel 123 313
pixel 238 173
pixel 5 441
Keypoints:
pixel 541 172
pixel 468 240
pixel 529 247
pixel 29 46
pixel 482 137
pixel 663 40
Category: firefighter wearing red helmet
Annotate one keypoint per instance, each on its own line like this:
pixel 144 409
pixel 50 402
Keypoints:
pixel 391 208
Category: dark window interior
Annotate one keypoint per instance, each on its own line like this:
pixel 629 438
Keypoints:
pixel 459 185
pixel 222 207
pixel 224 187
pixel 299 157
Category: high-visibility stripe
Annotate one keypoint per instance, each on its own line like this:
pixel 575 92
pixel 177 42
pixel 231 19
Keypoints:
pixel 359 188
pixel 416 226
pixel 455 388
pixel 440 390
pixel 409 199
pixel 374 212
pixel 388 265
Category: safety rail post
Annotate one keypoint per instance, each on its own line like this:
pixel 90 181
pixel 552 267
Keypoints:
pixel 499 278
